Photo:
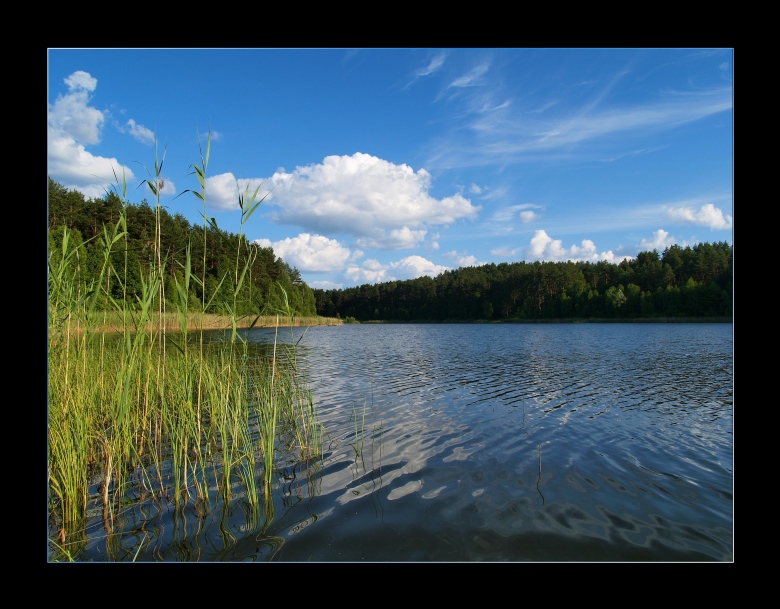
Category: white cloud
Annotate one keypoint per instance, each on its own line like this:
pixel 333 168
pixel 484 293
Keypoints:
pixel 396 239
pixel 670 113
pixel 528 216
pixel 310 253
pixel 69 164
pixel 71 116
pixel 411 267
pixel 326 285
pixel 141 133
pixel 379 203
pixel 707 215
pixel 81 80
pixel 492 193
pixel 436 63
pixel 660 241
pixel 507 214
pixel 368 273
pixel 472 78
pixel 544 247
pixel 463 259
pixel 504 135
pixel 72 125
pixel 505 252
pixel 222 192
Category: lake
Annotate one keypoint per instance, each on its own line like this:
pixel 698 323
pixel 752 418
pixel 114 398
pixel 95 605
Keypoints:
pixel 487 442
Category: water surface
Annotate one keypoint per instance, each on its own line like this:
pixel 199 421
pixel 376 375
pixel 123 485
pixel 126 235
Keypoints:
pixel 538 442
pixel 481 442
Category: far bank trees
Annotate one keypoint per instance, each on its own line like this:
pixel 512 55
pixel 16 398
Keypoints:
pixel 692 282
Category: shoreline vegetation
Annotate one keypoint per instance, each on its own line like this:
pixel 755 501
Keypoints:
pixel 145 415
pixel 113 323
pixel 195 322
pixel 568 320
pixel 691 282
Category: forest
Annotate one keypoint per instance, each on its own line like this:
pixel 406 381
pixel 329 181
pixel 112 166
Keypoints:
pixel 682 282
pixel 272 283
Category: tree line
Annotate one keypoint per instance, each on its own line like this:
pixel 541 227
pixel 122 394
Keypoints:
pixel 272 284
pixel 689 282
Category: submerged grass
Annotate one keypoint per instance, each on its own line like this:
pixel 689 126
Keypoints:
pixel 143 412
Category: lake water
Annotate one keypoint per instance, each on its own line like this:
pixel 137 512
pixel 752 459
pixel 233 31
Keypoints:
pixel 511 442
pixel 527 442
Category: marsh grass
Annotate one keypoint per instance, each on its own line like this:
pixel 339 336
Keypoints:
pixel 145 415
pixel 112 322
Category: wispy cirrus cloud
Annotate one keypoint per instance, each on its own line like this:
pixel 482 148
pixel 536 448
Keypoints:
pixel 506 133
pixel 472 78
pixel 432 67
pixel 435 65
pixel 524 212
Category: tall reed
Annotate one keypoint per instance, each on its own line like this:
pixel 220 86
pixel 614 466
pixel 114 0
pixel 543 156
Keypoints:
pixel 144 413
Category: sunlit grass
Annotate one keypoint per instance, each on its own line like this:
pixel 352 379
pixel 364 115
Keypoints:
pixel 113 321
pixel 143 408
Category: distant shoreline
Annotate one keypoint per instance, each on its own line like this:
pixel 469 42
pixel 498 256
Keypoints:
pixel 648 320
pixel 198 321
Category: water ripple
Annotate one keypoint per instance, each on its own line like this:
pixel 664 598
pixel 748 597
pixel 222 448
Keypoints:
pixel 528 442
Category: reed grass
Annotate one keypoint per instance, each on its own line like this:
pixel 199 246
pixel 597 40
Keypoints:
pixel 142 408
pixel 112 321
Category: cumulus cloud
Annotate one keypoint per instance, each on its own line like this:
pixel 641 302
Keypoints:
pixel 81 80
pixel 73 124
pixel 544 247
pixel 396 239
pixel 141 133
pixel 464 259
pixel 660 241
pixel 326 285
pixel 411 267
pixel 311 253
pixel 222 191
pixel 71 165
pixel 379 203
pixel 707 215
pixel 71 114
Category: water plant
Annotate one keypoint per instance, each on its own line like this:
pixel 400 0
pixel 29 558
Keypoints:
pixel 148 416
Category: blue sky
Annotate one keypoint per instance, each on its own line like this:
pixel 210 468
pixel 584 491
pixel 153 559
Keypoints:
pixel 393 163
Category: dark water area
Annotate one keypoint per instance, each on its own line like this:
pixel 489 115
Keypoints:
pixel 474 442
